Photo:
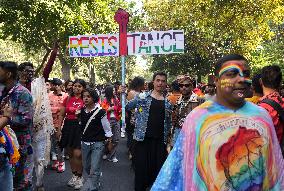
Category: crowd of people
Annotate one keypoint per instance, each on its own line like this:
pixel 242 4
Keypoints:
pixel 226 134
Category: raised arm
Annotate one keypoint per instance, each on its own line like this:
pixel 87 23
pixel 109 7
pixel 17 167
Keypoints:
pixel 48 68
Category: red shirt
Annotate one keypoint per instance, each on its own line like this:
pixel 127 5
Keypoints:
pixel 73 104
pixel 273 113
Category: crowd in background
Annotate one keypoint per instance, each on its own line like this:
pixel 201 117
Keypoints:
pixel 46 121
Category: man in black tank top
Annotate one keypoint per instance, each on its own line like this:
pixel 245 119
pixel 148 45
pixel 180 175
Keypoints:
pixel 152 111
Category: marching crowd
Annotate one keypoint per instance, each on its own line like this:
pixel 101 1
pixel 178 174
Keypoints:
pixel 223 135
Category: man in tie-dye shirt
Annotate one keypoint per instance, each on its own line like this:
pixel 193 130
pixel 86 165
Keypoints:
pixel 20 99
pixel 227 143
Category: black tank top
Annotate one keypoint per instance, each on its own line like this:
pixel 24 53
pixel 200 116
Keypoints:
pixel 155 126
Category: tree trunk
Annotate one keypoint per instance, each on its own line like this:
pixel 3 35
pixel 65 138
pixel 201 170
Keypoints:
pixel 92 74
pixel 65 67
pixel 199 78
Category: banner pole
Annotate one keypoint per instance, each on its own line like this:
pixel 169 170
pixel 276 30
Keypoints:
pixel 123 96
pixel 122 18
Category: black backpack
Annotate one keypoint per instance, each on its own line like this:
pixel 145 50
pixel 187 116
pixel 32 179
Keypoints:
pixel 280 112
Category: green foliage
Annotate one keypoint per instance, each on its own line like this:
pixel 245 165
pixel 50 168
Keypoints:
pixel 13 51
pixel 36 24
pixel 109 68
pixel 213 29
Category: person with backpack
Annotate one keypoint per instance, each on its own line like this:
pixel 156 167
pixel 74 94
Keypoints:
pixel 95 131
pixel 271 77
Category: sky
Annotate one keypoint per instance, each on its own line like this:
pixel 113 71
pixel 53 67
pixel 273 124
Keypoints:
pixel 138 3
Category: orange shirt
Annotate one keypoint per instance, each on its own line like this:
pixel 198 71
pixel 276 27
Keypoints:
pixel 174 97
pixel 56 102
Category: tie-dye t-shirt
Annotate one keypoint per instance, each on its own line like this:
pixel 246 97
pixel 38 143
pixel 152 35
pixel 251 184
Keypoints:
pixel 220 149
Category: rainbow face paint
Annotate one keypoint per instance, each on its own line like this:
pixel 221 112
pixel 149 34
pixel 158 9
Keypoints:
pixel 235 68
pixel 232 66
pixel 226 83
pixel 248 80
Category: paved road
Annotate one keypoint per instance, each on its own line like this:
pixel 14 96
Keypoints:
pixel 116 176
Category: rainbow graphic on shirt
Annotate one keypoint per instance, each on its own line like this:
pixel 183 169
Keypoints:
pixel 224 150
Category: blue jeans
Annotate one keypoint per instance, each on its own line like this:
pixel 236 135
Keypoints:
pixel 92 158
pixel 6 177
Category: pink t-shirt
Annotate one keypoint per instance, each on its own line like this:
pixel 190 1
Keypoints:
pixel 56 102
pixel 73 104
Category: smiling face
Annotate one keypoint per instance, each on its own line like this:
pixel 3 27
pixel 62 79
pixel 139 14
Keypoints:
pixel 233 82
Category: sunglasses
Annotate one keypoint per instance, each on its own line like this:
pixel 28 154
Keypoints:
pixel 184 85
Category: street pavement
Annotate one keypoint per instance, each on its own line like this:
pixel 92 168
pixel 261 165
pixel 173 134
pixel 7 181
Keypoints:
pixel 116 176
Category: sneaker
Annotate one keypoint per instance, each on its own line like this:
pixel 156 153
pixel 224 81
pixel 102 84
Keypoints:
pixel 61 167
pixel 79 183
pixel 104 157
pixel 114 159
pixel 72 181
pixel 53 156
pixel 54 165
pixel 122 134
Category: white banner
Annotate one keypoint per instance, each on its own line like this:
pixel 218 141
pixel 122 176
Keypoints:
pixel 155 42
pixel 94 45
pixel 139 43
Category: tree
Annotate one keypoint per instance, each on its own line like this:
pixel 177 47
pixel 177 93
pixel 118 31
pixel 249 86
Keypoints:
pixel 212 29
pixel 38 23
pixel 14 51
pixel 109 68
